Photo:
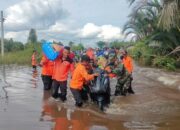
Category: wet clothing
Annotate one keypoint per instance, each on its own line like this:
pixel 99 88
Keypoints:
pixel 80 75
pixel 79 96
pixel 34 67
pixel 34 61
pixel 62 68
pixel 77 82
pixel 123 80
pixel 63 88
pixel 60 76
pixel 47 66
pixel 128 63
pixel 47 81
pixel 46 72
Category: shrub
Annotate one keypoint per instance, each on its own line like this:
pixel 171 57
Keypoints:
pixel 22 57
pixel 142 53
pixel 164 62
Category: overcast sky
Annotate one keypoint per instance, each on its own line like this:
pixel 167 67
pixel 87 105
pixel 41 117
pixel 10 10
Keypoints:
pixel 65 20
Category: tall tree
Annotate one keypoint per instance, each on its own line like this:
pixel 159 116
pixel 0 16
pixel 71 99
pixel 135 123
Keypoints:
pixel 170 15
pixel 32 38
pixel 156 21
pixel 101 44
pixel 143 19
pixel 71 43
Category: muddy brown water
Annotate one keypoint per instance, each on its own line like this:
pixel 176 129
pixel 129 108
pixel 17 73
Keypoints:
pixel 25 106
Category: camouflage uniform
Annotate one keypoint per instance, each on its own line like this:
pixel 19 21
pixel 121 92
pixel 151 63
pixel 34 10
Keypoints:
pixel 123 80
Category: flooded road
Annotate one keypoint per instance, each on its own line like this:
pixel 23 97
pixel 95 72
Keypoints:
pixel 25 106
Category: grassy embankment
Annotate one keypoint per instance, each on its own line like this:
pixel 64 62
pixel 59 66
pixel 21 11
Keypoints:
pixel 22 57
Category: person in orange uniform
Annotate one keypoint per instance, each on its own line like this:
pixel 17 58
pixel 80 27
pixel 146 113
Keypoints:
pixel 90 53
pixel 128 64
pixel 34 60
pixel 47 71
pixel 62 65
pixel 80 75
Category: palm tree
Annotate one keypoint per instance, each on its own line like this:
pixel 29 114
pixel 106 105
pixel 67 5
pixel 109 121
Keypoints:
pixel 157 22
pixel 170 13
pixel 143 19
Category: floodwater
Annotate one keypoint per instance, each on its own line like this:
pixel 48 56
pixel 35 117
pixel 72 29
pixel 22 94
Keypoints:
pixel 25 106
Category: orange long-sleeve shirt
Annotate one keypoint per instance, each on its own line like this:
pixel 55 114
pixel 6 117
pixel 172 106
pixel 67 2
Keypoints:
pixel 33 60
pixel 90 53
pixel 80 74
pixel 47 66
pixel 62 68
pixel 128 63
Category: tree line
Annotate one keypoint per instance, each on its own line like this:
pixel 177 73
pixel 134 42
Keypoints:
pixel 154 25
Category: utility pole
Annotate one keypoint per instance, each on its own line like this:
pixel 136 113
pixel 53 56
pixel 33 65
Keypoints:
pixel 2 34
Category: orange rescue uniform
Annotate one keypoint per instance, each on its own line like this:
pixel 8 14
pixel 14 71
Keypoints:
pixel 128 63
pixel 90 53
pixel 80 74
pixel 62 68
pixel 47 66
pixel 33 59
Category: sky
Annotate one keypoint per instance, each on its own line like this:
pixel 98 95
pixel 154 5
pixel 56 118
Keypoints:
pixel 65 20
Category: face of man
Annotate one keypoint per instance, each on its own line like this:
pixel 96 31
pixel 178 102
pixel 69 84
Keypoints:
pixel 124 55
pixel 35 52
pixel 85 63
pixel 65 53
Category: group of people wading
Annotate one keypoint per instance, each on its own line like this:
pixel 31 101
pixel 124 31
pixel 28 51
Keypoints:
pixel 79 69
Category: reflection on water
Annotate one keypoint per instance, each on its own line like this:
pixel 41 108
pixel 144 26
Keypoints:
pixel 73 119
pixel 153 107
pixel 4 83
pixel 34 78
pixel 4 92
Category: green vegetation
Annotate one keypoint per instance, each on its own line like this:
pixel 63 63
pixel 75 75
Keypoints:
pixel 22 57
pixel 18 53
pixel 101 44
pixel 76 47
pixel 32 36
pixel 120 44
pixel 12 46
pixel 155 26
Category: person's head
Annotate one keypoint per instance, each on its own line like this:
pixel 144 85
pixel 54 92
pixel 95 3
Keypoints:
pixel 34 51
pixel 66 51
pixel 124 53
pixel 85 60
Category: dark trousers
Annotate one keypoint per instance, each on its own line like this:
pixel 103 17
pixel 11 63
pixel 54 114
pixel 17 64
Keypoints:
pixel 79 96
pixel 34 67
pixel 47 81
pixel 124 86
pixel 130 90
pixel 63 88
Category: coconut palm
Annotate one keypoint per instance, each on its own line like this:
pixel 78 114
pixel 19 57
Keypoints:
pixel 170 15
pixel 157 22
pixel 143 19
